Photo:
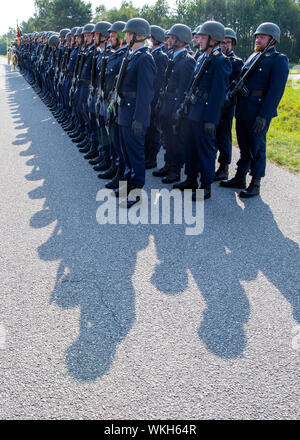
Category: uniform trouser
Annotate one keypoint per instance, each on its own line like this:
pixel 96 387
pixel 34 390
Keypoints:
pixel 201 151
pixel 116 142
pixel 77 112
pixel 133 149
pixel 252 148
pixel 173 144
pixel 90 123
pixel 64 91
pixel 153 137
pixel 224 139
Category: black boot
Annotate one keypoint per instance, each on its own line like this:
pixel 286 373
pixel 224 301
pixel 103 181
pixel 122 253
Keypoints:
pixel 222 172
pixel 78 139
pixel 162 172
pixel 252 190
pixel 114 183
pixel 238 181
pixel 207 192
pixel 93 153
pixel 188 183
pixel 97 159
pixel 83 143
pixel 74 133
pixel 151 160
pixel 104 165
pixel 70 128
pixel 108 174
pixel 85 149
pixel 172 176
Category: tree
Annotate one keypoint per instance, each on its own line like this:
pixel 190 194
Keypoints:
pixel 126 11
pixel 57 14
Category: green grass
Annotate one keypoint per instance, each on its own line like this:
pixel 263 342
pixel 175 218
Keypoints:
pixel 283 138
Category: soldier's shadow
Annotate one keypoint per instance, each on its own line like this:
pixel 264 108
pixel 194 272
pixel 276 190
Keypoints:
pixel 238 242
pixel 96 263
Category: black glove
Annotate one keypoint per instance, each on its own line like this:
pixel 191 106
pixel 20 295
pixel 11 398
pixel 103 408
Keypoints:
pixel 259 124
pixel 209 128
pixel 137 128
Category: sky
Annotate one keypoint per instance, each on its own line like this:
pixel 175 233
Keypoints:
pixel 21 10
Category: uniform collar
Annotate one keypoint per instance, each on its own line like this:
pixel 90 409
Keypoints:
pixel 271 51
pixel 121 48
pixel 157 48
pixel 107 47
pixel 139 48
pixel 179 52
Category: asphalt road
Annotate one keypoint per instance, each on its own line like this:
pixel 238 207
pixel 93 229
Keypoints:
pixel 138 322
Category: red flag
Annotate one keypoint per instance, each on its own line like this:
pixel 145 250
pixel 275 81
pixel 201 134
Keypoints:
pixel 19 31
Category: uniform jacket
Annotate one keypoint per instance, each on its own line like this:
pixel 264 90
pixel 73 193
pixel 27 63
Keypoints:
pixel 161 62
pixel 138 79
pixel 180 77
pixel 211 89
pixel 270 77
pixel 72 60
pixel 87 67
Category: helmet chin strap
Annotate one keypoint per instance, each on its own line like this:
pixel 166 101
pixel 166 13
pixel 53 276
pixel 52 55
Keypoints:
pixel 134 40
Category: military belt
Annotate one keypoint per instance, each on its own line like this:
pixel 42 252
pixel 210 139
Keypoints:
pixel 127 95
pixel 257 92
pixel 84 81
pixel 172 90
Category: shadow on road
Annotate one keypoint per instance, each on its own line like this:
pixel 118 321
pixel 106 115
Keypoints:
pixel 97 262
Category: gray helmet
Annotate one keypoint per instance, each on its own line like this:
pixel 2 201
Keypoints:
pixel 229 33
pixel 157 33
pixel 117 26
pixel 269 29
pixel 63 32
pixel 139 26
pixel 54 40
pixel 195 31
pixel 79 31
pixel 88 28
pixel 167 33
pixel 214 29
pixel 73 30
pixel 102 27
pixel 68 36
pixel 182 32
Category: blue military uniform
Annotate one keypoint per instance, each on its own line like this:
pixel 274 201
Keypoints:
pixel 180 77
pixel 113 65
pixel 153 136
pixel 200 146
pixel 84 82
pixel 224 129
pixel 266 87
pixel 137 92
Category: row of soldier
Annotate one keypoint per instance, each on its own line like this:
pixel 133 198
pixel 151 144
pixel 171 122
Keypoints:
pixel 123 90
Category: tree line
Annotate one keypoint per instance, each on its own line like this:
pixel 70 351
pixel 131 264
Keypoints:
pixel 242 15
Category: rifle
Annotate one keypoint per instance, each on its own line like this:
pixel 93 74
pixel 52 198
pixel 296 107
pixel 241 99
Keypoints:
pixel 41 58
pixel 93 73
pixel 114 100
pixel 57 68
pixel 163 90
pixel 74 78
pixel 191 94
pixel 63 69
pixel 101 80
pixel 239 86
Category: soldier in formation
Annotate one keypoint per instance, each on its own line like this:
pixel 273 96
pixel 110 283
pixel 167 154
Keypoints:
pixel 124 90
